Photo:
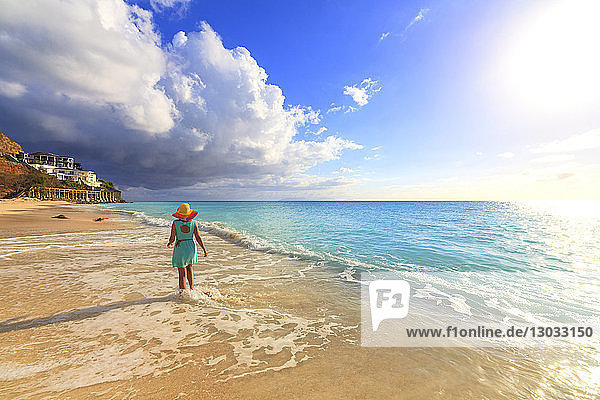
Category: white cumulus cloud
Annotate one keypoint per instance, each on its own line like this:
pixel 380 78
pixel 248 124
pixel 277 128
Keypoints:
pixel 179 39
pixel 107 91
pixel 103 52
pixel 362 92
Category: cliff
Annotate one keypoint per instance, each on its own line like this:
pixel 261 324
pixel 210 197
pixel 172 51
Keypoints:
pixel 7 146
pixel 16 176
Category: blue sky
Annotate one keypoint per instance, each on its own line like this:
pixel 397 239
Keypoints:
pixel 452 100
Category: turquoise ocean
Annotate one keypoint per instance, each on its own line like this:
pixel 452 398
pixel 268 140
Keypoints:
pixel 550 251
pixel 537 262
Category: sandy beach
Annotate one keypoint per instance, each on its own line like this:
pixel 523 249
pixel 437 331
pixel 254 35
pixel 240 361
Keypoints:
pixel 90 310
pixel 30 217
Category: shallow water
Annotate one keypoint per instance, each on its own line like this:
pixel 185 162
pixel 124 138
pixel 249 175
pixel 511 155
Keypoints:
pixel 105 308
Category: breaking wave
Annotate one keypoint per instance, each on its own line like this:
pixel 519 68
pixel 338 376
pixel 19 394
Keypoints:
pixel 243 239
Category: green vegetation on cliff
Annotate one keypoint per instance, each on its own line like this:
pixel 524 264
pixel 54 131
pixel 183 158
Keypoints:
pixel 17 177
pixel 108 185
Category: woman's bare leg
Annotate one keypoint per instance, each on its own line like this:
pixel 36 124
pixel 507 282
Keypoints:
pixel 181 278
pixel 190 276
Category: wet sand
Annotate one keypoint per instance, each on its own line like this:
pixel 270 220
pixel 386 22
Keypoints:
pixel 93 312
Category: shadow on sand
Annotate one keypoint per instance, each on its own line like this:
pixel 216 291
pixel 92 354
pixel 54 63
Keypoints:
pixel 15 324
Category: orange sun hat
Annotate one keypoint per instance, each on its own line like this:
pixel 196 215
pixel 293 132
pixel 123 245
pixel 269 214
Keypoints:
pixel 184 212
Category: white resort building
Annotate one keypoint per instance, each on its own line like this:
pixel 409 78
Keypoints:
pixel 62 167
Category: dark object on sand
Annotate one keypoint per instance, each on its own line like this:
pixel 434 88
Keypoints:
pixel 60 216
pixel 100 219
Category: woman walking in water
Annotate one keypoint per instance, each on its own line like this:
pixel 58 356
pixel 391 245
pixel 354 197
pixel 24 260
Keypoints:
pixel 183 231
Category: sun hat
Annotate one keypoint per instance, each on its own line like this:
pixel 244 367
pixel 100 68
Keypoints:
pixel 185 213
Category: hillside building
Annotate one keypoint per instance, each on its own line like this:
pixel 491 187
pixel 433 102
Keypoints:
pixel 62 167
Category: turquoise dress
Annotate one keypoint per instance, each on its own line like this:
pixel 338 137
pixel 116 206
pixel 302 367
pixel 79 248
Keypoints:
pixel 184 251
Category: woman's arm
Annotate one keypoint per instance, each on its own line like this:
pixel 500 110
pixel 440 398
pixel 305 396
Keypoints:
pixel 172 238
pixel 198 238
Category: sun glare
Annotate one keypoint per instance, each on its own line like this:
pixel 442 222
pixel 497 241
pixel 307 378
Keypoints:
pixel 554 62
